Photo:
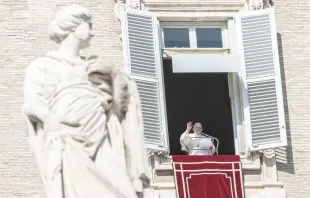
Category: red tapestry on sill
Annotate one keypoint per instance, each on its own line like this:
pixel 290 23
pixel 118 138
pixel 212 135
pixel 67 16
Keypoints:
pixel 208 176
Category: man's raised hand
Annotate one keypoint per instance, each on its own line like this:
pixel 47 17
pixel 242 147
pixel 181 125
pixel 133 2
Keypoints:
pixel 189 126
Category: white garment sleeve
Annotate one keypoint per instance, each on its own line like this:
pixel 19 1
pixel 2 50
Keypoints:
pixel 185 141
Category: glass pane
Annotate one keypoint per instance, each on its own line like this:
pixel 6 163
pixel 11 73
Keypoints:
pixel 176 37
pixel 209 37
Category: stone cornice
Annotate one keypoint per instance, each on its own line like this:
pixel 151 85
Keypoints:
pixel 194 5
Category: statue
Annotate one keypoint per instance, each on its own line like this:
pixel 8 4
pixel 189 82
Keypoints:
pixel 84 118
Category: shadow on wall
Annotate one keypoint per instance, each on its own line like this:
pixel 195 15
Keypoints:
pixel 284 156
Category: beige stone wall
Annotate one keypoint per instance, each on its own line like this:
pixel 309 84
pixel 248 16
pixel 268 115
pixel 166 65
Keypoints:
pixel 293 25
pixel 23 37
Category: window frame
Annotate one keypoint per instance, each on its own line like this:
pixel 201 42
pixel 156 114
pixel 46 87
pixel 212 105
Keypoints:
pixel 192 32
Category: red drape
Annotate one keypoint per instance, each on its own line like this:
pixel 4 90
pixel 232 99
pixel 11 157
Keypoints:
pixel 208 176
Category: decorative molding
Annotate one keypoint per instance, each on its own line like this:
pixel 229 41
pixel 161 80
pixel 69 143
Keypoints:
pixel 255 4
pixel 251 162
pixel 259 4
pixel 134 4
pixel 267 4
pixel 121 4
pixel 151 152
pixel 269 153
pixel 269 169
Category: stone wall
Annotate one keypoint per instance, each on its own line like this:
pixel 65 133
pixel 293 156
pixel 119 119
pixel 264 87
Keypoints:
pixel 293 26
pixel 23 37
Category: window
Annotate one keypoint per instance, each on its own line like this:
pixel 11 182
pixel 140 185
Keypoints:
pixel 262 105
pixel 198 36
pixel 176 37
pixel 209 37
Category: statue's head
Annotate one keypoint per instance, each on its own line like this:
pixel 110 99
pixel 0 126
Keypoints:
pixel 75 20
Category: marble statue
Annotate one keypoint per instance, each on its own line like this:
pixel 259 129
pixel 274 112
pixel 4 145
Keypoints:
pixel 84 118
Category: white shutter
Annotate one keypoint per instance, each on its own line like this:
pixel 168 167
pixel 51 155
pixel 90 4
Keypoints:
pixel 143 62
pixel 262 90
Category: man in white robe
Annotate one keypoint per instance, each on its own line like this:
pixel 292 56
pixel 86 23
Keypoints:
pixel 196 143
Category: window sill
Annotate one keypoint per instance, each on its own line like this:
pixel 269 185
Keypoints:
pixel 251 164
pixel 168 52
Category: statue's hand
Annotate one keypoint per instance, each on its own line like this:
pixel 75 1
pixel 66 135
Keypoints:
pixel 53 123
pixel 70 123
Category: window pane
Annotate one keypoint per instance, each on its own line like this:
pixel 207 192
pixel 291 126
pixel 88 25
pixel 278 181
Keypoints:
pixel 209 37
pixel 176 37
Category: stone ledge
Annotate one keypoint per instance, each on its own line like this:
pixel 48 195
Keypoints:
pixel 162 185
pixel 260 184
pixel 194 5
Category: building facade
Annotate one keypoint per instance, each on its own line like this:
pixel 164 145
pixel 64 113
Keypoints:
pixel 135 34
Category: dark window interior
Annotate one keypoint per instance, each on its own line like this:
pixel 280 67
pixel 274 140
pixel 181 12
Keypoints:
pixel 198 97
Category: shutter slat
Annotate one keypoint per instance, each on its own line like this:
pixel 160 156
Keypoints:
pixel 149 61
pixel 144 49
pixel 133 51
pixel 258 139
pixel 250 32
pixel 143 28
pixel 265 123
pixel 269 110
pixel 151 111
pixel 139 19
pixel 256 49
pixel 260 63
pixel 271 124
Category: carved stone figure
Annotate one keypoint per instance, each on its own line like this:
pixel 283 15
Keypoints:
pixel 260 4
pixel 84 118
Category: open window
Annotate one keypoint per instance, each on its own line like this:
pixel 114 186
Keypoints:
pixel 256 96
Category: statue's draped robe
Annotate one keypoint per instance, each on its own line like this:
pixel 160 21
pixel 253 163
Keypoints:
pixel 103 156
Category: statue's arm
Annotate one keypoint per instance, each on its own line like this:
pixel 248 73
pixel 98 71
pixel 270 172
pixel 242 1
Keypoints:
pixel 35 106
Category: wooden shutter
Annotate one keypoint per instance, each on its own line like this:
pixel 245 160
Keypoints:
pixel 143 61
pixel 262 89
